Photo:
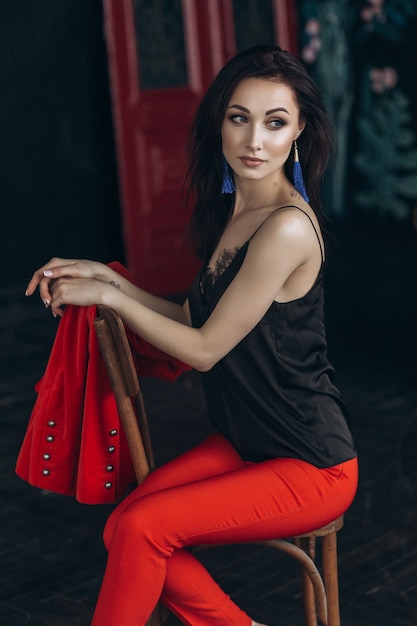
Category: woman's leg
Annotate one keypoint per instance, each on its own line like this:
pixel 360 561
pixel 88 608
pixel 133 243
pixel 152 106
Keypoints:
pixel 276 498
pixel 211 457
pixel 184 571
pixel 190 592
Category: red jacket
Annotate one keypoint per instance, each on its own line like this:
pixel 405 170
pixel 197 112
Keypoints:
pixel 74 444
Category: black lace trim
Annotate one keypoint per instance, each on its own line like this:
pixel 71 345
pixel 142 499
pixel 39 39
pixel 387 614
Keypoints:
pixel 211 275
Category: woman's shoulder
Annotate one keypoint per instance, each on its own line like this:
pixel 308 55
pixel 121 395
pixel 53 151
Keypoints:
pixel 289 220
pixel 290 228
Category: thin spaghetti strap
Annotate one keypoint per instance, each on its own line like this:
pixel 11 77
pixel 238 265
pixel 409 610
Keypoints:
pixel 294 206
pixel 314 228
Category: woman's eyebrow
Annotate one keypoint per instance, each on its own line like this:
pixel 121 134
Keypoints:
pixel 238 106
pixel 277 109
pixel 245 110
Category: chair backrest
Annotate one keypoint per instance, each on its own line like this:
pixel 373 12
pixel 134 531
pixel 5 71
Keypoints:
pixel 121 369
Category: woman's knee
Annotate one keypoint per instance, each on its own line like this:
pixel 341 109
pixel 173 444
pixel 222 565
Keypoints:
pixel 113 521
pixel 142 522
pixel 113 518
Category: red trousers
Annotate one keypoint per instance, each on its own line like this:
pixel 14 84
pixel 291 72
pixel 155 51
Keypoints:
pixel 207 495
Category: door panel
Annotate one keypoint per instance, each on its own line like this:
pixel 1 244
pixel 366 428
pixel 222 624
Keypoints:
pixel 162 57
pixel 160 43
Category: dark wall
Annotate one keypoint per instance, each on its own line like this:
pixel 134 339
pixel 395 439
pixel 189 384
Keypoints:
pixel 59 192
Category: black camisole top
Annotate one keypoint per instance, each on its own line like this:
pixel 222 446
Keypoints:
pixel 273 395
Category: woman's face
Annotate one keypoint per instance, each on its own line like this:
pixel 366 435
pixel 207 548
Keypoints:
pixel 261 122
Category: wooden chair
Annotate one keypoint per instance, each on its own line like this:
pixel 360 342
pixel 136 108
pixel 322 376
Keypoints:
pixel 321 595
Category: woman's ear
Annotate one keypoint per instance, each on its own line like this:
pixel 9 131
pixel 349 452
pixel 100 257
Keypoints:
pixel 300 128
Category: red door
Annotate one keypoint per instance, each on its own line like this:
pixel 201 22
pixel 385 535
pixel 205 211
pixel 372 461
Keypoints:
pixel 163 55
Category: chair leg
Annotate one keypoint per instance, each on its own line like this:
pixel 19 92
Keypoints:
pixel 330 578
pixel 308 544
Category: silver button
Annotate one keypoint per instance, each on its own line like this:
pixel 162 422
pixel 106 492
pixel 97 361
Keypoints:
pixel 113 432
pixel 109 468
pixel 46 457
pixel 46 472
pixel 51 423
pixel 111 448
pixel 50 438
pixel 108 485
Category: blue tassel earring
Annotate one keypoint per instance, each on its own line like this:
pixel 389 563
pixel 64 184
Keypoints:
pixel 298 175
pixel 228 184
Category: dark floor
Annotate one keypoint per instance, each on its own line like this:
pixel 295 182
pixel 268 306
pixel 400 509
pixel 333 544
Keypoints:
pixel 51 553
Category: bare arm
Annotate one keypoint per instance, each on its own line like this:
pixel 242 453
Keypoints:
pixel 76 268
pixel 279 248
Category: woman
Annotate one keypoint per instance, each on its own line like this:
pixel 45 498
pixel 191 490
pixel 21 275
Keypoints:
pixel 282 461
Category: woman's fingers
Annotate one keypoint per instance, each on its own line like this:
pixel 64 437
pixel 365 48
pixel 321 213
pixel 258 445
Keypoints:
pixel 45 273
pixel 76 291
pixel 58 268
pixel 61 280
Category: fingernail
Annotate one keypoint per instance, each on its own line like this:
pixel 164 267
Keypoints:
pixel 26 293
pixel 46 302
pixel 48 273
pixel 54 314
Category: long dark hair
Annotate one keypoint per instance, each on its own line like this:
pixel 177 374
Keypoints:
pixel 211 208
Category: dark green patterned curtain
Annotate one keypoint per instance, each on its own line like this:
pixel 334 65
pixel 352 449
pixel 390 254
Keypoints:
pixel 362 54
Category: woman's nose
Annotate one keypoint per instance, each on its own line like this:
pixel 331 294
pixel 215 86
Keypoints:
pixel 254 139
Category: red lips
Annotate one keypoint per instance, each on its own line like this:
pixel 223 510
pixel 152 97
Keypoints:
pixel 251 162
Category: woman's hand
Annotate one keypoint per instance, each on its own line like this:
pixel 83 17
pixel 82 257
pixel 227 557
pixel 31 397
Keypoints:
pixel 77 291
pixel 46 276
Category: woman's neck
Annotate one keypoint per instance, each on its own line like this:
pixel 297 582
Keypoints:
pixel 256 195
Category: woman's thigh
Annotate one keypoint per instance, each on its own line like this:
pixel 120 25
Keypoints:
pixel 272 499
pixel 213 456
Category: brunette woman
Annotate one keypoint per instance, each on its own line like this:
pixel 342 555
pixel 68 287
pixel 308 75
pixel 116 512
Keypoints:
pixel 282 461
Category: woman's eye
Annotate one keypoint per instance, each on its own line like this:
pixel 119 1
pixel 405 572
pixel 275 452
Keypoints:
pixel 275 123
pixel 238 119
